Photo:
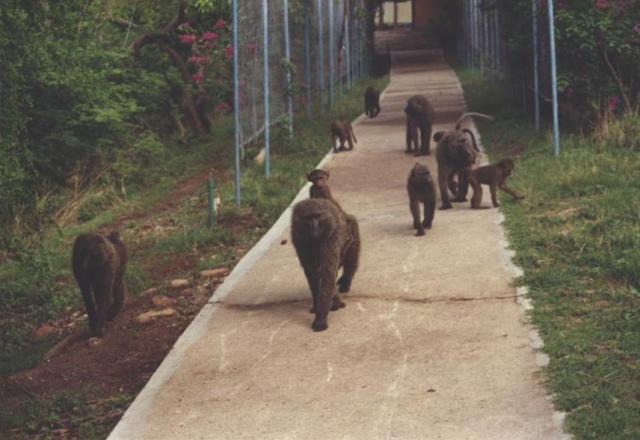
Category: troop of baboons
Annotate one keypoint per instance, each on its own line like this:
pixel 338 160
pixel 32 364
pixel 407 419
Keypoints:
pixel 325 237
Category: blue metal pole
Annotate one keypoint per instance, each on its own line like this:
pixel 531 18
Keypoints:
pixel 236 102
pixel 554 79
pixel 307 56
pixel 287 54
pixel 536 77
pixel 332 54
pixel 265 85
pixel 347 46
pixel 321 47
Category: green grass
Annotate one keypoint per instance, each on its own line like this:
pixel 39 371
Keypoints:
pixel 577 237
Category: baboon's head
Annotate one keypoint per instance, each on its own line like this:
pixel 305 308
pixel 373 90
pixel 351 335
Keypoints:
pixel 457 145
pixel 318 177
pixel 420 174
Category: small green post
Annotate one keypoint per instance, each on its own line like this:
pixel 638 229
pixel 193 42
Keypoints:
pixel 212 204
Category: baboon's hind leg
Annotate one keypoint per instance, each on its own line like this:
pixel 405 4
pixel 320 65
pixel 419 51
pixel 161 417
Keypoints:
pixel 103 290
pixel 119 294
pixel 89 304
pixel 351 258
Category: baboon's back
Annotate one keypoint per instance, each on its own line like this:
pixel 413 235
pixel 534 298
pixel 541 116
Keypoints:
pixel 92 254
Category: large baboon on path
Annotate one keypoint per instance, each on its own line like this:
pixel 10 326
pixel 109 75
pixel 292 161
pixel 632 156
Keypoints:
pixel 325 239
pixel 99 263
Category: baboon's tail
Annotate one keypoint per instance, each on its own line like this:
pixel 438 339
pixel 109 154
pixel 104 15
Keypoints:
pixel 470 114
pixel 473 138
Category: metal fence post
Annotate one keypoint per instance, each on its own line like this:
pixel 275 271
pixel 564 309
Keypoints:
pixel 321 63
pixel 536 77
pixel 236 101
pixel 307 56
pixel 287 55
pixel 332 54
pixel 265 83
pixel 347 45
pixel 554 78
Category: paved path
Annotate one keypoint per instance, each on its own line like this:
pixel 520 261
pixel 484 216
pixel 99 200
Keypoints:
pixel 432 343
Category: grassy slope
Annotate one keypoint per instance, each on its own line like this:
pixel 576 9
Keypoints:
pixel 39 286
pixel 577 237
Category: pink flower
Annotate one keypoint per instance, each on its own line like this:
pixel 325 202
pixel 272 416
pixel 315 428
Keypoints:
pixel 187 38
pixel 229 51
pixel 209 36
pixel 222 107
pixel 636 28
pixel 613 103
pixel 197 77
pixel 602 4
pixel 220 24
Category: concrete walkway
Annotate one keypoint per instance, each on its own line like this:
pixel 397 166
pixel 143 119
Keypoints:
pixel 432 343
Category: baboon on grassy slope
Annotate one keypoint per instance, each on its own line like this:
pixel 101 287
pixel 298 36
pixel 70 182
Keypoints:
pixel 99 263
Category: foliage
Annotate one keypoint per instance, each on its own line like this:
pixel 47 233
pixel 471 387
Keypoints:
pixel 598 47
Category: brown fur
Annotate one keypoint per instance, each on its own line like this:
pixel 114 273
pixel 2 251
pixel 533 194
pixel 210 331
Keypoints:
pixel 325 239
pixel 455 155
pixel 99 263
pixel 343 131
pixel 421 190
pixel 420 116
pixel 495 176
pixel 371 102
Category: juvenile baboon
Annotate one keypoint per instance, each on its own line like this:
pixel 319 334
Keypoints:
pixel 99 263
pixel 342 130
pixel 319 188
pixel 495 176
pixel 371 102
pixel 325 239
pixel 420 116
pixel 421 190
pixel 455 155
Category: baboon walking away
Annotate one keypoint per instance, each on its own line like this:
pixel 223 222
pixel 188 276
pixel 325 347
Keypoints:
pixel 99 263
pixel 421 190
pixel 420 116
pixel 495 176
pixel 343 131
pixel 325 239
pixel 371 102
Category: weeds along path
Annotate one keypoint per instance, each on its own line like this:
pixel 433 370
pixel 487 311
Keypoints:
pixel 432 343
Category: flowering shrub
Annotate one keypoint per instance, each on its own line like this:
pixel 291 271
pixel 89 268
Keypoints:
pixel 598 51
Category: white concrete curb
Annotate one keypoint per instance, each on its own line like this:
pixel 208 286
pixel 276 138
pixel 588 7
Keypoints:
pixel 508 254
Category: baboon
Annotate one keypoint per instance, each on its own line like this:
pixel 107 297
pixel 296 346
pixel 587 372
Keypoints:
pixel 455 155
pixel 325 239
pixel 371 102
pixel 495 176
pixel 420 116
pixel 421 190
pixel 99 263
pixel 319 188
pixel 342 130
